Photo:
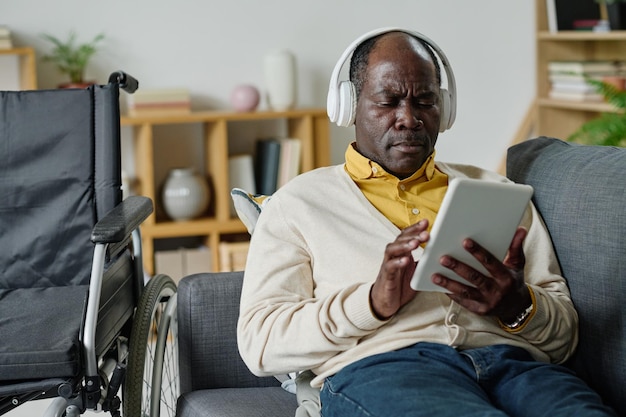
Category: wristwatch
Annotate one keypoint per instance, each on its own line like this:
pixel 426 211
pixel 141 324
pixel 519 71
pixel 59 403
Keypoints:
pixel 521 318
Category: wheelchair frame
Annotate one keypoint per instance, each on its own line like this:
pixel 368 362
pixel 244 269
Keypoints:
pixel 132 353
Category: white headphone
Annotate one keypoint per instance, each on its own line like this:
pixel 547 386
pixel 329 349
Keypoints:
pixel 341 102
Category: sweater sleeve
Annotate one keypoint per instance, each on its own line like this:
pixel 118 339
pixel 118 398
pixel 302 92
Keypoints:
pixel 553 328
pixel 283 326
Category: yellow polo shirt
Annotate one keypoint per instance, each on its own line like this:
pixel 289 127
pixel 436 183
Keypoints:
pixel 403 202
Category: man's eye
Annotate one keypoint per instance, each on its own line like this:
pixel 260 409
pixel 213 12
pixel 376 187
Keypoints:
pixel 387 103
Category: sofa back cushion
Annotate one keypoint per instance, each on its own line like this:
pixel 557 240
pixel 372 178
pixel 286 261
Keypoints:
pixel 580 192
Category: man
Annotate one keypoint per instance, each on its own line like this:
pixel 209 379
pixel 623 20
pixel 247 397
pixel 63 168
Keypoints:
pixel 327 288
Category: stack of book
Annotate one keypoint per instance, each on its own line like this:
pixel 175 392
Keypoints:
pixel 5 38
pixel 569 79
pixel 277 161
pixel 159 101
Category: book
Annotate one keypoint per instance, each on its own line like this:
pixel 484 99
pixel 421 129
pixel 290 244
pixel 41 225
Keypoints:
pixel 241 175
pixel 160 95
pixel 585 67
pixel 289 161
pixel 573 87
pixel 563 13
pixel 159 101
pixel 267 158
pixel 575 95
pixel 574 78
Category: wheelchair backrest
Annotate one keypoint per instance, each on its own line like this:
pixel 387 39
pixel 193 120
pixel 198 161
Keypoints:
pixel 59 173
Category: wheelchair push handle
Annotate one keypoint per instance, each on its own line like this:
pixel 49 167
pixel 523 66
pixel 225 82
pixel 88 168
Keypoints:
pixel 125 81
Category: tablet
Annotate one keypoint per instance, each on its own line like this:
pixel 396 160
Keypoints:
pixel 487 212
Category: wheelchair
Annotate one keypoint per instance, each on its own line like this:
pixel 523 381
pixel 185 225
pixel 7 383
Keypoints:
pixel 79 322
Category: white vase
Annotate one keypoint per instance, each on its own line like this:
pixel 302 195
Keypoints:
pixel 185 194
pixel 280 80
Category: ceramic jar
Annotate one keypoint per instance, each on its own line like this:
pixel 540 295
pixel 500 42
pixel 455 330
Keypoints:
pixel 185 194
pixel 280 79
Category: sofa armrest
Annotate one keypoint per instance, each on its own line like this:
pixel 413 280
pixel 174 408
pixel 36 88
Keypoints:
pixel 208 310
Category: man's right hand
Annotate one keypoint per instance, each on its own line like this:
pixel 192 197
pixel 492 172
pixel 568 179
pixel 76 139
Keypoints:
pixel 392 288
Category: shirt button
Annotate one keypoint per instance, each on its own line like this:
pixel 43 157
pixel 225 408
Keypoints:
pixel 374 170
pixel 415 211
pixel 453 318
pixel 402 187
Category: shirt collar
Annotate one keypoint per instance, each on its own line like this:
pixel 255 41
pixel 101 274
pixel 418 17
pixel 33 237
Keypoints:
pixel 363 168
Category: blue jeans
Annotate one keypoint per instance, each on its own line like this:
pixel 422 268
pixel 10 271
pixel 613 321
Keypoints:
pixel 435 380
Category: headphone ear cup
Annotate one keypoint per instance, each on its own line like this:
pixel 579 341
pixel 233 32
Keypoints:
pixel 347 104
pixel 445 110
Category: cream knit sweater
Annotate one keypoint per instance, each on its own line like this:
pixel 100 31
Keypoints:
pixel 316 251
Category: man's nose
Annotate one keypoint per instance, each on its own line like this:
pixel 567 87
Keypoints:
pixel 408 117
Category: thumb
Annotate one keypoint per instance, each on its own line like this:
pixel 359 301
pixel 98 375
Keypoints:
pixel 515 258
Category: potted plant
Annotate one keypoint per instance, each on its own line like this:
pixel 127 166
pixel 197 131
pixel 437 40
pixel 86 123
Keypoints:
pixel 71 58
pixel 610 128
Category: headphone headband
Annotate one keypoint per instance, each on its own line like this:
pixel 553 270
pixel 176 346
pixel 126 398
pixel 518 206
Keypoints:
pixel 342 112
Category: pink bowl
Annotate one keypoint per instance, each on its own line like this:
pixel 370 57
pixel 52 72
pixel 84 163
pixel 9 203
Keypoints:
pixel 245 98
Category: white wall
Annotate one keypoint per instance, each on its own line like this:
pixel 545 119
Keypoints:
pixel 210 47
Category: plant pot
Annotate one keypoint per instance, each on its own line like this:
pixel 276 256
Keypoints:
pixel 617 81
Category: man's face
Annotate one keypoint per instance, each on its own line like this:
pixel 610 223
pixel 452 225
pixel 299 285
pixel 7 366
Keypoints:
pixel 398 110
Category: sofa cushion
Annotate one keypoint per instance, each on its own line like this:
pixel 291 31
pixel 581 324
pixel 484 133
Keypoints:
pixel 237 402
pixel 580 192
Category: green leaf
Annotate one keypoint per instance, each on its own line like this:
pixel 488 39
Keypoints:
pixel 609 129
pixel 69 57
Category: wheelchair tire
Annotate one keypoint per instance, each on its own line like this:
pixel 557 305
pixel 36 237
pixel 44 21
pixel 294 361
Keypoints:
pixel 151 386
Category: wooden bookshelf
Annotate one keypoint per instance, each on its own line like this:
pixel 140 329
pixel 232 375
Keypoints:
pixel 559 118
pixel 311 126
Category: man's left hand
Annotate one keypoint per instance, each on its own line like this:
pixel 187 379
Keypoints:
pixel 502 293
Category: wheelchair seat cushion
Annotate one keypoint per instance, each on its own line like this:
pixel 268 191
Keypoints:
pixel 44 325
pixel 237 402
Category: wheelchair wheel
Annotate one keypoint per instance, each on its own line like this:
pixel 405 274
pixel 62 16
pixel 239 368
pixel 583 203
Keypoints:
pixel 152 386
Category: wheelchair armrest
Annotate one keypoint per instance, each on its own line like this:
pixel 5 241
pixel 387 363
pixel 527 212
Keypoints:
pixel 122 220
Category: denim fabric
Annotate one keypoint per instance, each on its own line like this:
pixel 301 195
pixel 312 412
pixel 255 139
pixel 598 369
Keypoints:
pixel 428 379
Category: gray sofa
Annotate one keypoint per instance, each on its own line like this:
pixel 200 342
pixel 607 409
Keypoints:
pixel 580 192
pixel 214 381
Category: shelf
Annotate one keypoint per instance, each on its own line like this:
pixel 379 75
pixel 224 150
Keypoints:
pixel 194 228
pixel 600 107
pixel 214 116
pixel 311 126
pixel 570 35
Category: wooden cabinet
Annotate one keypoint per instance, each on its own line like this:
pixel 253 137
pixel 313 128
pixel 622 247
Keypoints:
pixel 311 126
pixel 560 118
pixel 26 66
